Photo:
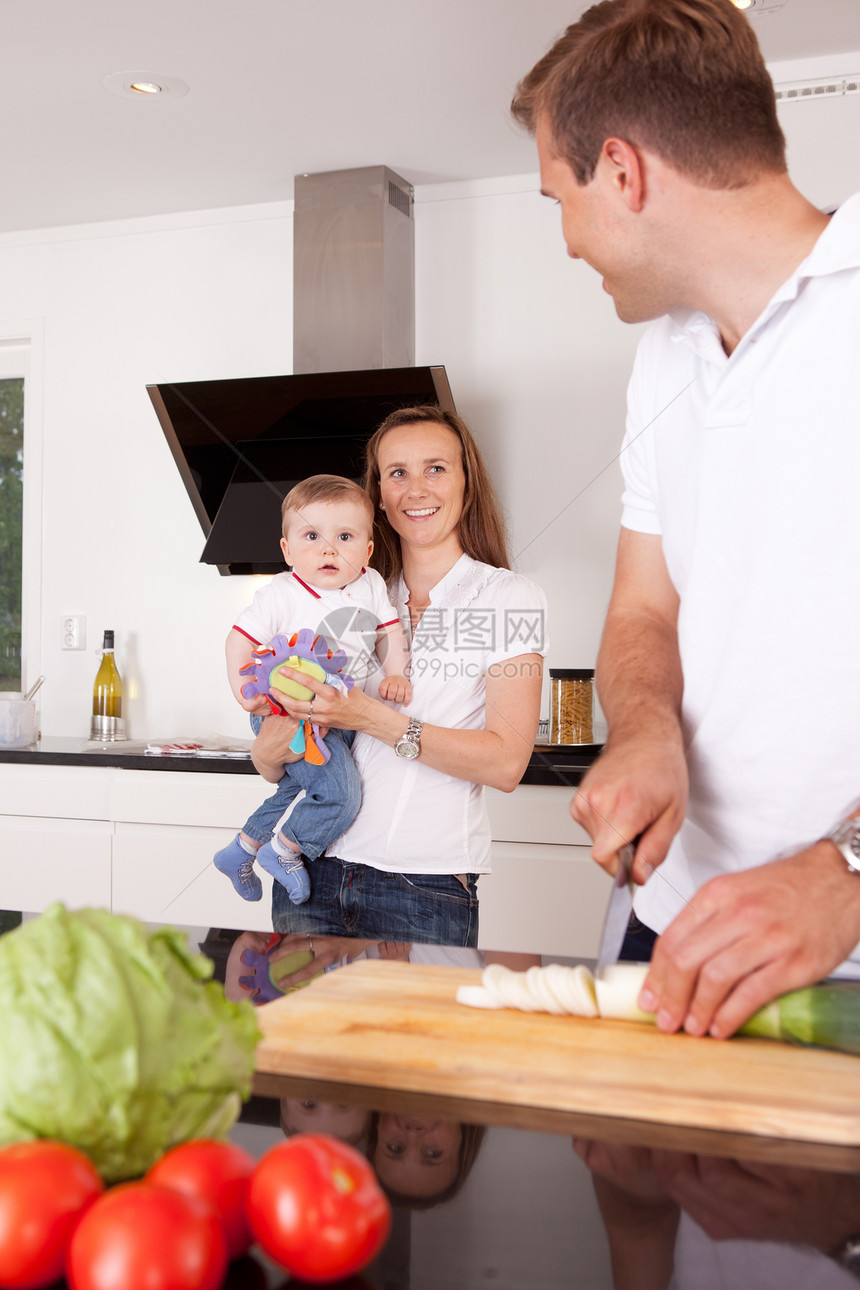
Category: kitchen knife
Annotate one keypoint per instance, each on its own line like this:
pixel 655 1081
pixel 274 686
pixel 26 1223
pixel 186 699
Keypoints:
pixel 619 911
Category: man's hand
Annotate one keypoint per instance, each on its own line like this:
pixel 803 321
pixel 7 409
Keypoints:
pixel 635 787
pixel 748 1200
pixel 746 938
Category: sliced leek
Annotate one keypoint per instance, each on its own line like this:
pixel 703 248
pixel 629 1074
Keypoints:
pixel 822 1016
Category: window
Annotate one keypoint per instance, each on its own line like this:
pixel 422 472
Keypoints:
pixel 20 522
pixel 11 527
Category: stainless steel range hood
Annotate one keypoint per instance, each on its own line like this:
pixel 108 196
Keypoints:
pixel 240 445
pixel 353 271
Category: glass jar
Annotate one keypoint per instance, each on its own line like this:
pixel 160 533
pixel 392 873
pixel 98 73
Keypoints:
pixel 571 710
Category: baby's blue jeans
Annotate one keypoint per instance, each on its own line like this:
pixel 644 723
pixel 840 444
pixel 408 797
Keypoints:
pixel 332 796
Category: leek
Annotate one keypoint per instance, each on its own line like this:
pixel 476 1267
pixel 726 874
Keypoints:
pixel 820 1016
pixel 826 1015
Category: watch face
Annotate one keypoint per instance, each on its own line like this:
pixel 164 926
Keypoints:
pixel 848 1256
pixel 406 748
pixel 847 838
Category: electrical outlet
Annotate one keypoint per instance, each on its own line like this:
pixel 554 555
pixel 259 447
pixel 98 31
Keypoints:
pixel 74 631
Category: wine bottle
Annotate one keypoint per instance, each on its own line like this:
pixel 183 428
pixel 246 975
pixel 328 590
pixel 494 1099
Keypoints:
pixel 107 722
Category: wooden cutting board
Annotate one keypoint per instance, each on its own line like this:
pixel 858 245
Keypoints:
pixel 394 1025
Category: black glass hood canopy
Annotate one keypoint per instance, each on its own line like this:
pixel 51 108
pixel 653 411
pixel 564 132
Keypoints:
pixel 240 445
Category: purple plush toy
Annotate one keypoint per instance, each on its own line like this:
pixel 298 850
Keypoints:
pixel 265 975
pixel 302 652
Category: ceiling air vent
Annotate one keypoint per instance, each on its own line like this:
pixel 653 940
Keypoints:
pixel 825 87
pixel 400 199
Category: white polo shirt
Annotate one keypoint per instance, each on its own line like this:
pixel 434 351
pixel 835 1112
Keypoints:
pixel 348 617
pixel 414 819
pixel 705 1263
pixel 749 468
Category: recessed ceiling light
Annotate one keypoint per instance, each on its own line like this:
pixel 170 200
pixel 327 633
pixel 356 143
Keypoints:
pixel 756 7
pixel 145 85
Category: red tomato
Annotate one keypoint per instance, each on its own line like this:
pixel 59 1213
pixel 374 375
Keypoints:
pixel 218 1173
pixel 316 1207
pixel 140 1235
pixel 44 1189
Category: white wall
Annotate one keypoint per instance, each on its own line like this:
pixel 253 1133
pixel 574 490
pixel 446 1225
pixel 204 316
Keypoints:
pixel 127 304
pixel 538 363
pixel 537 360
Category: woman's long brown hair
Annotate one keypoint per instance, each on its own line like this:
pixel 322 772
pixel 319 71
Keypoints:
pixel 481 529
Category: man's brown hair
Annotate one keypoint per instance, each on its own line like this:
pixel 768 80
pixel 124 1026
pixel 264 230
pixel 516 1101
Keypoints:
pixel 324 488
pixel 683 78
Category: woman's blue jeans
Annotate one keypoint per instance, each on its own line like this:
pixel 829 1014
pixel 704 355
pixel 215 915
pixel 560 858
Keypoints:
pixel 370 904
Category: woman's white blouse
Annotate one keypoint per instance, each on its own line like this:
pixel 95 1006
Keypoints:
pixel 414 819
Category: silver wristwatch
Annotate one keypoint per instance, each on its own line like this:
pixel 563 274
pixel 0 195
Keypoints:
pixel 847 838
pixel 409 746
pixel 848 1256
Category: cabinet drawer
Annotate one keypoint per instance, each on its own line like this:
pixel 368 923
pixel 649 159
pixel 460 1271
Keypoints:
pixel 543 899
pixel 165 875
pixel 63 792
pixel 48 860
pixel 186 798
pixel 534 813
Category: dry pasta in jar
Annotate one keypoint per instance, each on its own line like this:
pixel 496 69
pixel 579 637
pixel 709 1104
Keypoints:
pixel 571 713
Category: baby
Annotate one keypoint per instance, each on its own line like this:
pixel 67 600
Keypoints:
pixel 327 526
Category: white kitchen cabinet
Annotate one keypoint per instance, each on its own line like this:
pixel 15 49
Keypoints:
pixel 141 842
pixel 545 893
pixel 164 873
pixel 44 860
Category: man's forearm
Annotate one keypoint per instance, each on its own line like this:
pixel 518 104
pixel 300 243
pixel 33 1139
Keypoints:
pixel 638 785
pixel 641 1235
pixel 639 678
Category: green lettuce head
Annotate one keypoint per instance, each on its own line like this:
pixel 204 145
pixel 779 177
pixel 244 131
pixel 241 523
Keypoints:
pixel 114 1040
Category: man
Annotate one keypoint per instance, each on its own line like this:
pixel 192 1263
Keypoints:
pixel 729 669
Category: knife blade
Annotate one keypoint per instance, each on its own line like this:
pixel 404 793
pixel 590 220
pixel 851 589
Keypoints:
pixel 619 911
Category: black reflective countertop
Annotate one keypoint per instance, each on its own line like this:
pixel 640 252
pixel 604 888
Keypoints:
pixel 558 764
pixel 527 1199
pixel 503 1196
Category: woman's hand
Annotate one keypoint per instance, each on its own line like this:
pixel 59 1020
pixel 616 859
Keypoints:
pixel 271 749
pixel 327 950
pixel 330 706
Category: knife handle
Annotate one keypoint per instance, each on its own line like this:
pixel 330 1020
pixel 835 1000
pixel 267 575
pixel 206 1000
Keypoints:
pixel 627 857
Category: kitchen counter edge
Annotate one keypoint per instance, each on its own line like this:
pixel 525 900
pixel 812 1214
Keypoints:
pixel 549 764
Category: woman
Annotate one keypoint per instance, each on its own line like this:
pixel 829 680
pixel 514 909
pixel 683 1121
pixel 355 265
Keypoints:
pixel 407 867
pixel 422 1161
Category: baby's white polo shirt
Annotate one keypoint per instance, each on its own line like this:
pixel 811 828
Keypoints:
pixel 348 617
